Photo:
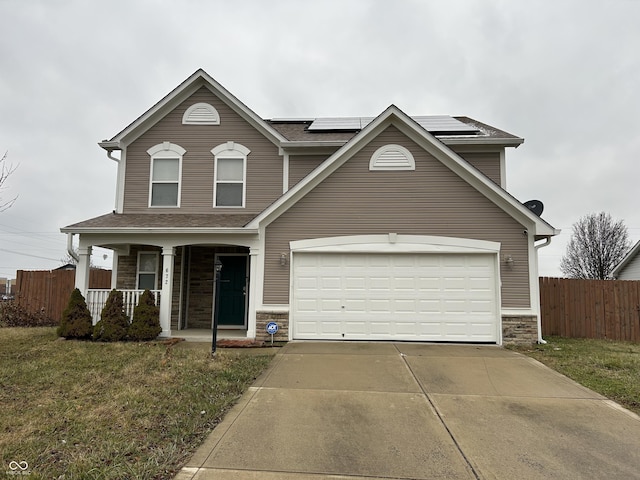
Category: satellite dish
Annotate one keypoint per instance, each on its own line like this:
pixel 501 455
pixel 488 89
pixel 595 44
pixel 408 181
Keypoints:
pixel 535 206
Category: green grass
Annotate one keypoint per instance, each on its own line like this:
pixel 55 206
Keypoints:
pixel 607 367
pixel 112 410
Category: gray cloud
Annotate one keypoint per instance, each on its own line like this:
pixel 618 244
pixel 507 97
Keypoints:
pixel 563 75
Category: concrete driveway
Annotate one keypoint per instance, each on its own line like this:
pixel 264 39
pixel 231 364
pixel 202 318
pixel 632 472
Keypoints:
pixel 417 411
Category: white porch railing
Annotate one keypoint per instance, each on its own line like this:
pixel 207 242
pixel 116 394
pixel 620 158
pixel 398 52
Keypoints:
pixel 97 298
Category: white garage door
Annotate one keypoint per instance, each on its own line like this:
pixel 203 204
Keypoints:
pixel 420 297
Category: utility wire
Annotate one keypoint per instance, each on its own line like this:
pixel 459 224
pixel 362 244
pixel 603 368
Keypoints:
pixel 29 255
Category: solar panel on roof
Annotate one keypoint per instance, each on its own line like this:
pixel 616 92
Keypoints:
pixel 431 123
pixel 444 123
pixel 337 123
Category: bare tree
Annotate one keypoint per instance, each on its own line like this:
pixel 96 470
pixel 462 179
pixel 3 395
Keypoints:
pixel 597 245
pixel 68 259
pixel 5 172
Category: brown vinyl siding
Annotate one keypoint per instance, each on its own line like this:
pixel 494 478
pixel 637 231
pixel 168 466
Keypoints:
pixel 432 200
pixel 302 165
pixel 264 165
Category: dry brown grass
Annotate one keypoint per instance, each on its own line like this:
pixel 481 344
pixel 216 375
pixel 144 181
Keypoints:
pixel 607 367
pixel 120 410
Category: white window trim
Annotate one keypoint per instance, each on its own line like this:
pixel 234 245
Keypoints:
pixel 166 150
pixel 375 162
pixel 138 271
pixel 230 150
pixel 211 117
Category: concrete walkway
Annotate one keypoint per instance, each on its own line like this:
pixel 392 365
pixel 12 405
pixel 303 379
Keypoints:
pixel 416 411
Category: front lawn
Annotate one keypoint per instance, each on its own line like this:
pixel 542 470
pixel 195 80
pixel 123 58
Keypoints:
pixel 73 409
pixel 607 367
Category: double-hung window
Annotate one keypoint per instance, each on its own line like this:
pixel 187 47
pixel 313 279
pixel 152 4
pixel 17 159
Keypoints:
pixel 147 277
pixel 166 171
pixel 230 172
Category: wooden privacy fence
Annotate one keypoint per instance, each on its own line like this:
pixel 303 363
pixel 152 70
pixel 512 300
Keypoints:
pixel 590 308
pixel 48 291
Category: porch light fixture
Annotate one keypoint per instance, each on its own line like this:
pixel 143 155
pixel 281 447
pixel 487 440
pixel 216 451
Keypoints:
pixel 508 260
pixel 283 259
pixel 216 309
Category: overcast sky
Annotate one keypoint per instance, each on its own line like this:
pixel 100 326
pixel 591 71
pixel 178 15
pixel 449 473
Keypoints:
pixel 564 75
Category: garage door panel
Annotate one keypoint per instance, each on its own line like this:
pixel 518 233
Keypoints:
pixel 355 305
pixel 355 283
pixel 379 283
pixel 307 306
pixel 379 305
pixel 427 297
pixel 429 306
pixel 330 305
pixel 404 306
pixel 405 283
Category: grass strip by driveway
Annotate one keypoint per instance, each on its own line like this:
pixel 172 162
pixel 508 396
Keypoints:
pixel 607 367
pixel 72 409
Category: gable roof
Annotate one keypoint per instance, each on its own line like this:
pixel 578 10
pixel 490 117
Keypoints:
pixel 396 117
pixel 628 258
pixel 198 79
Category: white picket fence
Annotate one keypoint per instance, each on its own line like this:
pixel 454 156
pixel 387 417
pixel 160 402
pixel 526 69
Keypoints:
pixel 96 299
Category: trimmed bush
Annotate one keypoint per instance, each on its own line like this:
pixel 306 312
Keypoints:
pixel 114 322
pixel 146 319
pixel 76 319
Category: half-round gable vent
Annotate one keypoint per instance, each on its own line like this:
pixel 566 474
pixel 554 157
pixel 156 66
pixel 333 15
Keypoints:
pixel 392 157
pixel 201 114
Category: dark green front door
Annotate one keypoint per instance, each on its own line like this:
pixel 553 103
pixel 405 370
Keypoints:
pixel 233 291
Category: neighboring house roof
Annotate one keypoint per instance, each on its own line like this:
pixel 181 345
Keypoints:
pixel 628 258
pixel 394 116
pixel 66 266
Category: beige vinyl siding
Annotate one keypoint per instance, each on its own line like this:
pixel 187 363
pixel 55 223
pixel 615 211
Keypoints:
pixel 431 200
pixel 264 165
pixel 302 165
pixel 487 162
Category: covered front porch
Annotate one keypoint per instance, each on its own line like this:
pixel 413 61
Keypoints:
pixel 96 299
pixel 182 278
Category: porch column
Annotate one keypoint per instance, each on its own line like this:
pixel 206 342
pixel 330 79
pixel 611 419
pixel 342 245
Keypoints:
pixel 83 270
pixel 114 270
pixel 166 294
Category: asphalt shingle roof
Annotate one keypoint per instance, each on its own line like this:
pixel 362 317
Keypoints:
pixel 164 220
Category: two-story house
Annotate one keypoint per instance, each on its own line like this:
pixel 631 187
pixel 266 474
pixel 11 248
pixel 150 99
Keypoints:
pixel 385 228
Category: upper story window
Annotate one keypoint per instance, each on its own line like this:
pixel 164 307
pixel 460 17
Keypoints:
pixel 230 172
pixel 166 172
pixel 201 114
pixel 392 157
